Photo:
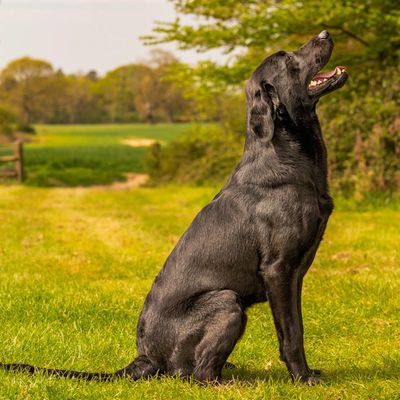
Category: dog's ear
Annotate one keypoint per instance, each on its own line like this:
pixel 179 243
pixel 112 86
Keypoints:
pixel 262 104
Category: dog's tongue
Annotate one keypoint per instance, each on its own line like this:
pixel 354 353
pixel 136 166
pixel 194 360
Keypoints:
pixel 326 75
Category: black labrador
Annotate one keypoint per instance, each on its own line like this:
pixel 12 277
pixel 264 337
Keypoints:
pixel 254 242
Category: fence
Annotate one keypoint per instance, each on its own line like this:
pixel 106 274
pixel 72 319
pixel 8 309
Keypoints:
pixel 18 159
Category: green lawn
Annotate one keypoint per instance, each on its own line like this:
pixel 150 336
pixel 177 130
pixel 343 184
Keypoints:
pixel 82 155
pixel 76 264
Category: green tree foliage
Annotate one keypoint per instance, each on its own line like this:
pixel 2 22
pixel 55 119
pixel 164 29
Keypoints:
pixel 25 83
pixel 361 123
pixel 370 29
pixel 134 92
pixel 8 120
pixel 117 90
pixel 159 98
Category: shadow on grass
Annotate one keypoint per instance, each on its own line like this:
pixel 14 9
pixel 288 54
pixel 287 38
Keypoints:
pixel 388 369
pixel 250 375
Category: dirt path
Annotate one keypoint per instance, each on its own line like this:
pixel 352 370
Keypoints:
pixel 138 142
pixel 133 180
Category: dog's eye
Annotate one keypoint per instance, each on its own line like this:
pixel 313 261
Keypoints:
pixel 281 111
pixel 266 86
pixel 291 59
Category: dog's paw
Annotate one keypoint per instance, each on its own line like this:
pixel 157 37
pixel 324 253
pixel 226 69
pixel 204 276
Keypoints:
pixel 315 372
pixel 310 380
pixel 229 365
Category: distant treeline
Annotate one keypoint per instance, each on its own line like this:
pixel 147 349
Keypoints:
pixel 32 91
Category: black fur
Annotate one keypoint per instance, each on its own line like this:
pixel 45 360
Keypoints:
pixel 255 241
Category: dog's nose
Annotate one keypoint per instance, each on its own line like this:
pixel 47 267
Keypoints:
pixel 324 35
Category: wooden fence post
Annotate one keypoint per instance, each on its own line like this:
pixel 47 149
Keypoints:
pixel 19 160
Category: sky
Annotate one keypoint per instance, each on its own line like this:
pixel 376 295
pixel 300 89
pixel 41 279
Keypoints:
pixel 82 35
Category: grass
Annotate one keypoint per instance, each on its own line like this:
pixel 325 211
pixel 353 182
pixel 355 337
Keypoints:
pixel 83 155
pixel 76 264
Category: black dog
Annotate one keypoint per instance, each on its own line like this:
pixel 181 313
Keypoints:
pixel 254 242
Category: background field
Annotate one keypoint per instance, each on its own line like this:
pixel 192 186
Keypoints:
pixel 82 155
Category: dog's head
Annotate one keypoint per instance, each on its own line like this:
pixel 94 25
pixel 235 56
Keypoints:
pixel 288 83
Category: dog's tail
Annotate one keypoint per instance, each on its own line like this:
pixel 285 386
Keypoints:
pixel 139 368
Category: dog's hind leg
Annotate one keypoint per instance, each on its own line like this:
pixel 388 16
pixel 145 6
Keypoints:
pixel 140 367
pixel 224 321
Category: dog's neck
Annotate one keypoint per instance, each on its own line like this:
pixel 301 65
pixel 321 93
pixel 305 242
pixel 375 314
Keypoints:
pixel 296 154
pixel 308 133
pixel 307 130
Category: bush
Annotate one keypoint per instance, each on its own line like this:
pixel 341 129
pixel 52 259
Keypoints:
pixel 205 154
pixel 25 128
pixel 8 118
pixel 362 128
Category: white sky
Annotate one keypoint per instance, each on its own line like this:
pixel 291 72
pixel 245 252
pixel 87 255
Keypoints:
pixel 80 35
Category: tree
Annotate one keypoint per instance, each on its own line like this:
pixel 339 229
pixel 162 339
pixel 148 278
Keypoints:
pixel 369 29
pixel 81 100
pixel 8 119
pixel 159 98
pixel 26 83
pixel 117 90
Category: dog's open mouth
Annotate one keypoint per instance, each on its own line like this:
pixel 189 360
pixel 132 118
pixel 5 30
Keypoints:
pixel 327 81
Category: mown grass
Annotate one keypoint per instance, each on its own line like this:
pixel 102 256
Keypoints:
pixel 76 264
pixel 83 155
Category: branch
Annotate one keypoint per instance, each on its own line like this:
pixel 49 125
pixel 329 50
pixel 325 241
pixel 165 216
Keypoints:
pixel 348 33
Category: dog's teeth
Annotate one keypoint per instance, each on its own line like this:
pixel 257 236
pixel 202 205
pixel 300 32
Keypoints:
pixel 325 79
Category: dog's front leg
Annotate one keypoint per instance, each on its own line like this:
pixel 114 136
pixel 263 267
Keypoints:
pixel 282 285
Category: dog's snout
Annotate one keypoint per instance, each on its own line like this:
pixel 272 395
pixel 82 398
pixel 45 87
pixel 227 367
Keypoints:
pixel 324 35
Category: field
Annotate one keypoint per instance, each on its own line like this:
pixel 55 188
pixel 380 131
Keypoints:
pixel 82 155
pixel 76 264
